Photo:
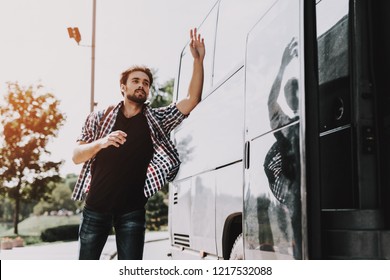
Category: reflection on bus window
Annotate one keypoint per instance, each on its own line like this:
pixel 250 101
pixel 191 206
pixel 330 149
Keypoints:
pixel 276 115
pixel 282 162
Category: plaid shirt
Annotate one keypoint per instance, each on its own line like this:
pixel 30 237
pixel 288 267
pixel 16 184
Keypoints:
pixel 165 161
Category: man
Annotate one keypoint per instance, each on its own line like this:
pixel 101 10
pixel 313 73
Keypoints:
pixel 128 156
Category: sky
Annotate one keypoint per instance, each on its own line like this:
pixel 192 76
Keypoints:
pixel 35 48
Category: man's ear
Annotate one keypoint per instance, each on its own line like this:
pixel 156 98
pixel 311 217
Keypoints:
pixel 123 88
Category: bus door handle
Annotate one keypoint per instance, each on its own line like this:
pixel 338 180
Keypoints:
pixel 247 155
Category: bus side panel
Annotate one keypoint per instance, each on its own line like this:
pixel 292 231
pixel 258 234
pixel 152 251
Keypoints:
pixel 180 212
pixel 208 143
pixel 192 216
pixel 214 134
pixel 229 200
pixel 200 207
pixel 202 225
pixel 271 226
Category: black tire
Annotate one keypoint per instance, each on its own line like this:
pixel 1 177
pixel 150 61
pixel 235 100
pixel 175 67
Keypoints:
pixel 237 252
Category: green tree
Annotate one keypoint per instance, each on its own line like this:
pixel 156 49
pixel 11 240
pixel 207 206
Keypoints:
pixel 6 209
pixel 162 95
pixel 41 207
pixel 156 212
pixel 60 198
pixel 70 180
pixel 29 119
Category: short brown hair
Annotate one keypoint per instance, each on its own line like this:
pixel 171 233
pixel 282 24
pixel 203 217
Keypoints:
pixel 125 74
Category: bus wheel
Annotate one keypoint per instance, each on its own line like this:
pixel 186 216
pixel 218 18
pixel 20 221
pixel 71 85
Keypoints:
pixel 237 252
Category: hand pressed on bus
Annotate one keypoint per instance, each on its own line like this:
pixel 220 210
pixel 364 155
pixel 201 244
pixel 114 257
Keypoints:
pixel 194 96
pixel 197 47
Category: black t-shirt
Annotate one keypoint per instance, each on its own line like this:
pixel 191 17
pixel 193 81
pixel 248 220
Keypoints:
pixel 118 175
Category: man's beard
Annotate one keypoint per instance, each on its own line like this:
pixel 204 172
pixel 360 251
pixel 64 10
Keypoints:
pixel 137 99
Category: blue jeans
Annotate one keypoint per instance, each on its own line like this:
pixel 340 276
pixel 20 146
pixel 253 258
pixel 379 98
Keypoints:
pixel 129 231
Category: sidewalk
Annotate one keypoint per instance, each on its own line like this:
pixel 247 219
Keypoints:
pixel 69 250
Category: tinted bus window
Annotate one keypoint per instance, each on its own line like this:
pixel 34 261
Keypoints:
pixel 235 18
pixel 332 32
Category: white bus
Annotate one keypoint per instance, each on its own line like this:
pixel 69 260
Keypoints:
pixel 286 155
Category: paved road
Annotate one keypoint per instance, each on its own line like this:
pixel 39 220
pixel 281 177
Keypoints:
pixel 156 248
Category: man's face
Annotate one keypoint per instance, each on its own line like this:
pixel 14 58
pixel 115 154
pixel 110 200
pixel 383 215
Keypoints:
pixel 137 87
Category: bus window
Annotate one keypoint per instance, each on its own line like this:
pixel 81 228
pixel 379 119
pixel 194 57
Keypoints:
pixel 270 79
pixel 332 33
pixel 235 18
pixel 207 29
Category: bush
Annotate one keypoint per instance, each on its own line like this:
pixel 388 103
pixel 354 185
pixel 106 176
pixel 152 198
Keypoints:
pixel 60 233
pixel 156 212
pixel 31 240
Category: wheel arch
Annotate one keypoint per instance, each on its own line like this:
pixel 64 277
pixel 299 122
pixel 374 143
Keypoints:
pixel 231 230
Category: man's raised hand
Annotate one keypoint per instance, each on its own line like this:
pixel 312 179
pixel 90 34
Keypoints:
pixel 197 47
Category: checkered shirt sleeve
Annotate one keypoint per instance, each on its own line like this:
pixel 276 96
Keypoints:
pixel 165 162
pixel 91 131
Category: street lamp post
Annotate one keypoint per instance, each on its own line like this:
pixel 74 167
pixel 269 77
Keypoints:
pixel 75 34
pixel 93 56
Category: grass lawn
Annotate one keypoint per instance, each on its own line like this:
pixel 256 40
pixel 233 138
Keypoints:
pixel 33 226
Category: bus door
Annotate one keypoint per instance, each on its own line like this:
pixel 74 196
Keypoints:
pixel 272 226
pixel 353 221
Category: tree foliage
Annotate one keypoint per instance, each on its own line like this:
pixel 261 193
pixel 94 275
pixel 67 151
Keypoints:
pixel 161 94
pixel 156 212
pixel 29 119
pixel 60 198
